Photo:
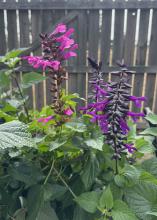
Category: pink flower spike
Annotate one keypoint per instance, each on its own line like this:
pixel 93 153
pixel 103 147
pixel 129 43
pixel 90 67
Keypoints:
pixel 69 54
pixel 66 44
pixel 68 112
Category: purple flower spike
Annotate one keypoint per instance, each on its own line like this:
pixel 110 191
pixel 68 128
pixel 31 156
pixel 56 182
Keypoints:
pixel 110 108
pixel 137 100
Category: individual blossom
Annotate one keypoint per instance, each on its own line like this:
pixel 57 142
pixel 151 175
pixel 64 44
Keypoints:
pixel 46 119
pixel 68 111
pixel 137 100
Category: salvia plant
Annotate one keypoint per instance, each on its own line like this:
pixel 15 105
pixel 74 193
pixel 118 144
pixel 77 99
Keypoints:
pixel 57 47
pixel 111 108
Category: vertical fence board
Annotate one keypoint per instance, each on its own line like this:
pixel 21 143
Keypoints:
pixel 150 84
pixel 141 52
pixel 118 44
pixel 12 29
pixel 130 37
pixel 93 39
pixel 105 39
pixel 24 41
pixel 36 17
pixel 82 41
pixel 2 34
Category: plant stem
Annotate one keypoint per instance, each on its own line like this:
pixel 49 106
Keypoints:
pixel 22 96
pixel 49 173
pixel 66 185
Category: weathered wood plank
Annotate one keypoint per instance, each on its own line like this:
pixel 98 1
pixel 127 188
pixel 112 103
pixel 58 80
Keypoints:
pixel 105 37
pixel 36 16
pixel 93 38
pixel 130 37
pixel 2 34
pixel 12 28
pixel 118 43
pixel 80 4
pixel 24 41
pixel 141 52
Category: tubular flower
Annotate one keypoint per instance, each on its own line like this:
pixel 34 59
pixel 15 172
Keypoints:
pixel 45 120
pixel 112 111
pixel 68 111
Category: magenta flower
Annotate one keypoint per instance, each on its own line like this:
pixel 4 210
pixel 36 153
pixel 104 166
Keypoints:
pixel 38 62
pixel 137 100
pixel 68 112
pixel 69 54
pixel 45 120
pixel 61 28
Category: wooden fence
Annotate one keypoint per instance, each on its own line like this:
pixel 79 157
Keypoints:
pixel 105 30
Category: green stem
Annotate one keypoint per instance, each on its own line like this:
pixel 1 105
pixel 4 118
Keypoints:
pixel 49 173
pixel 66 185
pixel 22 96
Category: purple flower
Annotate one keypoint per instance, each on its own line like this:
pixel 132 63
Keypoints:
pixel 135 115
pixel 137 100
pixel 124 127
pixel 130 148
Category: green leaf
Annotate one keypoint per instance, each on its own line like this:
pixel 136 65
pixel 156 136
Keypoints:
pixel 80 214
pixel 106 199
pixel 35 201
pixel 144 146
pixel 57 143
pixel 20 214
pixel 150 131
pixel 6 116
pixel 4 79
pixel 90 171
pixel 14 134
pixel 145 176
pixel 76 126
pixel 31 78
pixel 150 166
pixel 152 213
pixel 52 192
pixel 89 201
pixel 95 143
pixel 152 118
pixel 122 212
pixel 142 199
pixel 47 213
pixel 14 53
pixel 25 172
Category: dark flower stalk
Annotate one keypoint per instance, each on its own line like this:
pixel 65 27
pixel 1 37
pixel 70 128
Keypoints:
pixel 112 113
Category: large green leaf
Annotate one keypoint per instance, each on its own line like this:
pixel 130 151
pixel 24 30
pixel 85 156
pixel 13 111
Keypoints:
pixel 142 199
pixel 122 212
pixel 35 201
pixel 14 53
pixel 47 213
pixel 4 79
pixel 31 78
pixel 144 145
pixel 14 134
pixel 89 201
pixel 150 166
pixel 53 191
pixel 150 131
pixel 95 143
pixel 80 214
pixel 106 199
pixel 57 143
pixel 90 171
pixel 76 126
pixel 20 214
pixel 152 118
